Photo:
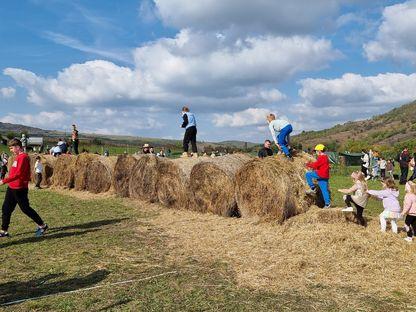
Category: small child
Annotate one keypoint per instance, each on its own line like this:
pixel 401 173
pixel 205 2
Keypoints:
pixel 38 171
pixel 389 195
pixel 409 209
pixel 280 130
pixel 389 169
pixel 359 197
pixel 382 163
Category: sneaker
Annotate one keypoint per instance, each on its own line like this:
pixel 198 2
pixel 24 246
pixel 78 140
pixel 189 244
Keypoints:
pixel 408 239
pixel 348 209
pixel 41 230
pixel 4 234
pixel 327 206
pixel 184 154
pixel 310 191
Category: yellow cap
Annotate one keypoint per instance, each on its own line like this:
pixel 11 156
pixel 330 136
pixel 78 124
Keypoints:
pixel 319 147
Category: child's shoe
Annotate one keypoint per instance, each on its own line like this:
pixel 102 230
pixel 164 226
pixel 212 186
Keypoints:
pixel 408 239
pixel 41 230
pixel 348 209
pixel 327 206
pixel 310 191
pixel 4 234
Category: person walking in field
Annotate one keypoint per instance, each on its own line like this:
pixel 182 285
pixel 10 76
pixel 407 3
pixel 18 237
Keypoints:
pixel 365 163
pixel 390 168
pixel 409 209
pixel 356 195
pixel 390 197
pixel 38 172
pixel 280 130
pixel 189 123
pixel 320 173
pixel 74 139
pixel 382 164
pixel 404 160
pixel 17 191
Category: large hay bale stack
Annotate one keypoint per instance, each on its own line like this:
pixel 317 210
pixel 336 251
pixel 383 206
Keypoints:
pixel 48 162
pixel 81 170
pixel 212 183
pixel 143 179
pixel 173 182
pixel 272 188
pixel 122 172
pixel 100 174
pixel 63 173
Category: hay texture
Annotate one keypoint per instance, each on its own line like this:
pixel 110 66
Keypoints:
pixel 272 188
pixel 173 189
pixel 212 183
pixel 48 162
pixel 122 173
pixel 63 173
pixel 81 170
pixel 143 179
pixel 100 174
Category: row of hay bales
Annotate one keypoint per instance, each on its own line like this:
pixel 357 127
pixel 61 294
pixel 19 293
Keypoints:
pixel 231 185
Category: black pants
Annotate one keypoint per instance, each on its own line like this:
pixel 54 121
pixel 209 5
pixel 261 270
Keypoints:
pixel 38 179
pixel 12 198
pixel 383 173
pixel 364 170
pixel 413 175
pixel 403 177
pixel 410 221
pixel 360 210
pixel 75 146
pixel 190 136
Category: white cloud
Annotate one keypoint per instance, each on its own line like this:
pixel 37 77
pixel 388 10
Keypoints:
pixel 42 119
pixel 7 92
pixel 395 38
pixel 248 117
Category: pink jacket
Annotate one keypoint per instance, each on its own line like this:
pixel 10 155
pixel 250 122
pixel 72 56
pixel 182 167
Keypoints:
pixel 409 204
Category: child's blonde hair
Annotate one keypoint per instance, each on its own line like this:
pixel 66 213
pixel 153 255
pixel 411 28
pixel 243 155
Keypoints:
pixel 271 116
pixel 412 187
pixel 361 177
pixel 389 183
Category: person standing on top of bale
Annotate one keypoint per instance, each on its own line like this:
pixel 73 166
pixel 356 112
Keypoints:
pixel 409 209
pixel 280 130
pixel 320 173
pixel 266 150
pixel 359 195
pixel 189 123
pixel 17 192
pixel 74 139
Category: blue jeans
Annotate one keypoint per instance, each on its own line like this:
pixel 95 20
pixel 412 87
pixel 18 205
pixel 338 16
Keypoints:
pixel 283 138
pixel 323 185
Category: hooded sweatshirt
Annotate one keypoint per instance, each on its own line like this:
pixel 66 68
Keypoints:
pixel 389 198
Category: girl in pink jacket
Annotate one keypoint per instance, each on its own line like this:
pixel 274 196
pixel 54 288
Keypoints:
pixel 390 197
pixel 409 209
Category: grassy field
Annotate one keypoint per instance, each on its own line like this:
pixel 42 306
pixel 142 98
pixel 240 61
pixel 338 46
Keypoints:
pixel 97 241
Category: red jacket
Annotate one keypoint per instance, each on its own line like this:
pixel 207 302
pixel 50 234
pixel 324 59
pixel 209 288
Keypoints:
pixel 19 175
pixel 321 166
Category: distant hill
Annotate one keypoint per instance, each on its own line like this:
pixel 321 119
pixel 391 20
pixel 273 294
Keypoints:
pixel 387 131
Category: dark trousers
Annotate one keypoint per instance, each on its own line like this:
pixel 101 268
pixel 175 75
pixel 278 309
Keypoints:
pixel 75 146
pixel 383 173
pixel 413 175
pixel 403 177
pixel 360 210
pixel 12 198
pixel 38 179
pixel 410 221
pixel 190 136
pixel 364 170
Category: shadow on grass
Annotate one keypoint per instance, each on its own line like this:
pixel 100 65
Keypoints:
pixel 14 291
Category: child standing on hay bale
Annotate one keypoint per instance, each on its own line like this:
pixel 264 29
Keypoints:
pixel 320 173
pixel 409 209
pixel 38 171
pixel 359 197
pixel 280 130
pixel 189 123
pixel 390 197
pixel 17 191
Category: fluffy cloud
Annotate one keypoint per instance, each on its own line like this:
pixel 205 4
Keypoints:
pixel 395 38
pixel 8 92
pixel 248 117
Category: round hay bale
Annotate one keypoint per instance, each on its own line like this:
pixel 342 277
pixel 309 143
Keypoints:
pixel 48 162
pixel 272 188
pixel 63 173
pixel 173 182
pixel 143 179
pixel 212 183
pixel 100 174
pixel 122 173
pixel 81 170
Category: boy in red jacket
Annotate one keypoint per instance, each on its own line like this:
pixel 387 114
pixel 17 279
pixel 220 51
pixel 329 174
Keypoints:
pixel 17 191
pixel 320 173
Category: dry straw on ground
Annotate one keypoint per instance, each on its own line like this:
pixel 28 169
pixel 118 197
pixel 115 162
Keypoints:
pixel 81 170
pixel 122 172
pixel 100 174
pixel 63 173
pixel 48 163
pixel 272 188
pixel 173 189
pixel 212 183
pixel 143 179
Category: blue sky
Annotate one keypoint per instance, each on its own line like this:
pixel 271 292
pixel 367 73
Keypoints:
pixel 127 67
